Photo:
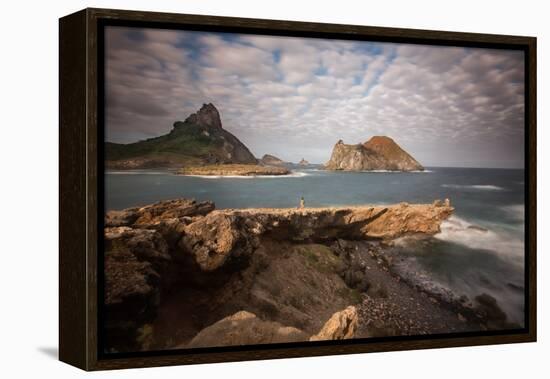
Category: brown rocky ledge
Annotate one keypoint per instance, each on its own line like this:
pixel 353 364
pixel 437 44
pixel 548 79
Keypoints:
pixel 225 234
pixel 175 268
pixel 233 170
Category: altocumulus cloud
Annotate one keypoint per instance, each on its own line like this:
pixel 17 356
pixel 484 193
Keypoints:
pixel 295 97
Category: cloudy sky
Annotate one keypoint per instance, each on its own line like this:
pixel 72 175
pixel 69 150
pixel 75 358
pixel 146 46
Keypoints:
pixel 296 97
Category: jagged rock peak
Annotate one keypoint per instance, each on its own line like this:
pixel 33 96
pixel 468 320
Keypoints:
pixel 207 116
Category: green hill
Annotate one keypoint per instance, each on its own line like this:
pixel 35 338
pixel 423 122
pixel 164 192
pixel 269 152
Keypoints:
pixel 200 139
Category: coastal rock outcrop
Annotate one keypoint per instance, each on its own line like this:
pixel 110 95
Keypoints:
pixel 157 212
pixel 378 153
pixel 303 162
pixel 230 234
pixel 273 263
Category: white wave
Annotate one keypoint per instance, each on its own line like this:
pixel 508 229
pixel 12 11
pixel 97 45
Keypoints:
pixel 136 172
pixel 460 231
pixel 397 171
pixel 483 187
pixel 291 175
pixel 516 211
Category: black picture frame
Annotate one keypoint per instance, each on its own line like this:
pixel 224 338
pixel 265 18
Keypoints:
pixel 81 199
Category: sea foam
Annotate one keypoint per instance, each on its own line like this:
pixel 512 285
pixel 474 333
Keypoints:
pixel 460 231
pixel 516 211
pixel 397 171
pixel 481 187
pixel 136 172
pixel 291 175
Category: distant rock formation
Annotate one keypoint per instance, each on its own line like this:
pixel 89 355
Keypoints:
pixel 200 139
pixel 378 153
pixel 303 162
pixel 268 159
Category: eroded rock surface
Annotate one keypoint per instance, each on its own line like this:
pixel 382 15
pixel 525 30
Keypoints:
pixel 157 212
pixel 226 234
pixel 340 326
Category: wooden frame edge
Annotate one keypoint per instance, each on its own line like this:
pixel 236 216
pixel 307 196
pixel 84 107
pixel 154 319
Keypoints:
pixel 78 232
pixel 72 195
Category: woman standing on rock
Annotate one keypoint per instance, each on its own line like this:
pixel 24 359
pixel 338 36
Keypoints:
pixel 302 203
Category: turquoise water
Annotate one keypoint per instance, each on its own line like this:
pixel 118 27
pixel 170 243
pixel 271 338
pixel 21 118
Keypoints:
pixel 463 259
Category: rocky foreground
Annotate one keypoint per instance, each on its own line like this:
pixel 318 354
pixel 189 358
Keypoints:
pixel 181 274
pixel 233 170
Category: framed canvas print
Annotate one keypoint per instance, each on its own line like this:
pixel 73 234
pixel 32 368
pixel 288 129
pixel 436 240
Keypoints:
pixel 236 189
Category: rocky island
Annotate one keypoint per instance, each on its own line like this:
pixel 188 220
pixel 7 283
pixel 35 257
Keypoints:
pixel 271 160
pixel 233 170
pixel 180 273
pixel 199 140
pixel 303 162
pixel 378 153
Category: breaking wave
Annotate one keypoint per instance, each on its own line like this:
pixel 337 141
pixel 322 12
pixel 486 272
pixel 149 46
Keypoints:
pixel 482 187
pixel 516 212
pixel 460 231
pixel 136 172
pixel 398 172
pixel 291 175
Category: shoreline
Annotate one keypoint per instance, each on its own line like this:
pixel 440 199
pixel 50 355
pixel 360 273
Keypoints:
pixel 223 170
pixel 290 171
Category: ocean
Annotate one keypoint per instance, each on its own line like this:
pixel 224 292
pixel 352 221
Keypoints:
pixel 479 250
